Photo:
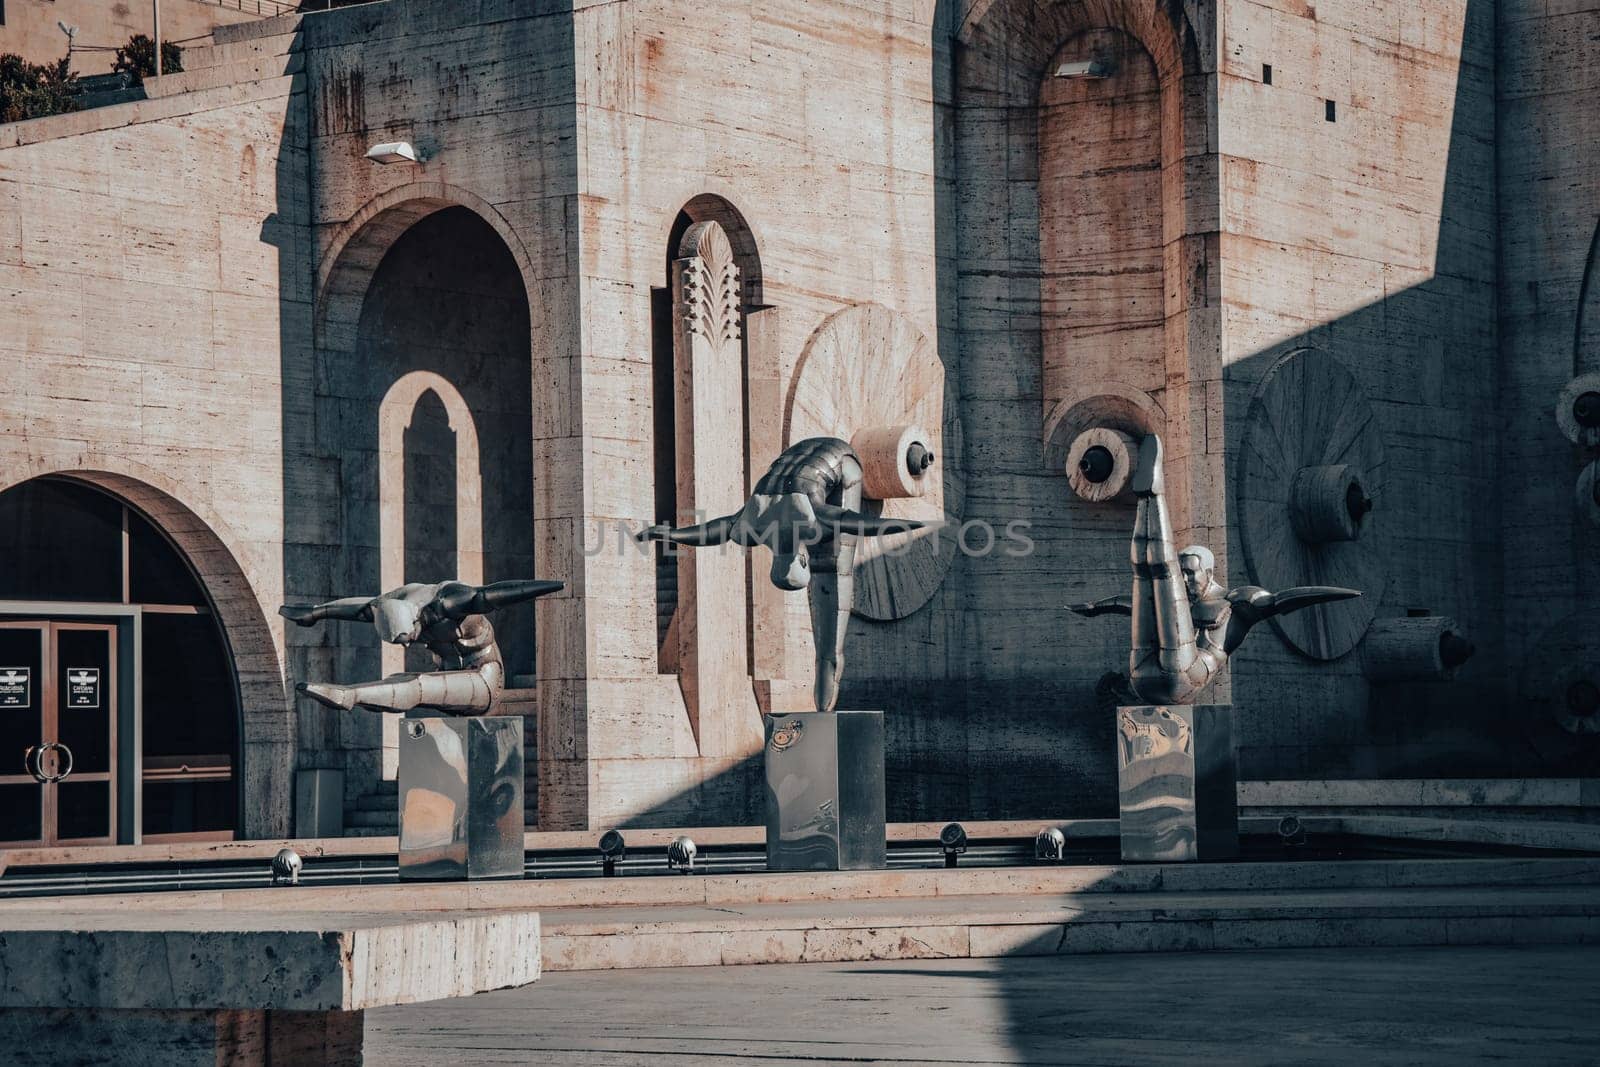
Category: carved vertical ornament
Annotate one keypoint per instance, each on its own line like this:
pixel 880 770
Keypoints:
pixel 712 625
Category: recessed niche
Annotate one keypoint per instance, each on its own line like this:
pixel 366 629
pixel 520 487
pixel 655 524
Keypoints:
pixel 1328 111
pixel 1266 74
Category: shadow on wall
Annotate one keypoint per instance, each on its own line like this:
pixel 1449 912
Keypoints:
pixel 1426 360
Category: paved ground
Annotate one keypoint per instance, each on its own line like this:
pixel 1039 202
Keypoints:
pixel 1414 1006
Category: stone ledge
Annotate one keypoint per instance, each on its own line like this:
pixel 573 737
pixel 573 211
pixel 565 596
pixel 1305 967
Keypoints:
pixel 189 960
pixel 53 127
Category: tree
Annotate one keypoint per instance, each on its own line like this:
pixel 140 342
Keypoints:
pixel 31 91
pixel 137 59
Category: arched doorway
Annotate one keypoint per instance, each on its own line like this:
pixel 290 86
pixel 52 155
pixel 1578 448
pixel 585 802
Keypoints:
pixel 422 388
pixel 119 700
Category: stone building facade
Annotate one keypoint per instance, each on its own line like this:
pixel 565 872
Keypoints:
pixel 320 376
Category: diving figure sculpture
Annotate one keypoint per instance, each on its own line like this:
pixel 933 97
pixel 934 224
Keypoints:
pixel 806 509
pixel 449 619
pixel 1185 624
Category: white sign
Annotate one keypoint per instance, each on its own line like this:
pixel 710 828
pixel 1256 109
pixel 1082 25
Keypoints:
pixel 83 687
pixel 14 685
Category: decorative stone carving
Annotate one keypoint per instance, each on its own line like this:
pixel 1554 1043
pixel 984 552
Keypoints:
pixel 711 627
pixel 1094 439
pixel 866 368
pixel 1100 464
pixel 1185 624
pixel 1310 470
pixel 1578 410
pixel 1561 688
pixel 1427 649
pixel 449 619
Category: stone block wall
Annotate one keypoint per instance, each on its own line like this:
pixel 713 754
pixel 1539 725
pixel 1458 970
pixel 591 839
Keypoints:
pixel 1549 317
pixel 1358 189
pixel 154 270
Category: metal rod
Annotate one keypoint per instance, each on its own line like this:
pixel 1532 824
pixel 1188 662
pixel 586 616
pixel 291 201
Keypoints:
pixel 156 7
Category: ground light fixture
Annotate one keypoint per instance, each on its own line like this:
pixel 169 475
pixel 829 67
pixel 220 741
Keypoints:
pixel 612 849
pixel 286 867
pixel 1291 830
pixel 680 855
pixel 953 840
pixel 1050 844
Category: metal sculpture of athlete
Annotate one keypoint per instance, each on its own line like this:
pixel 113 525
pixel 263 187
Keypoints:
pixel 448 618
pixel 806 509
pixel 1185 624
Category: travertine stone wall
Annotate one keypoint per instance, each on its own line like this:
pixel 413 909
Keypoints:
pixel 763 105
pixel 1372 236
pixel 154 272
pixel 1549 302
pixel 1163 235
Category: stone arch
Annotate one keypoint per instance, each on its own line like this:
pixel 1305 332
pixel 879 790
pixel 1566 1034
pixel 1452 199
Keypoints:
pixel 1005 53
pixel 395 413
pixel 358 245
pixel 736 226
pixel 267 726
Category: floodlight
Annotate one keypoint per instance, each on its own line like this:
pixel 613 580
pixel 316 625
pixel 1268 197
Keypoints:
pixel 286 867
pixel 953 839
pixel 680 855
pixel 1050 844
pixel 393 152
pixel 1098 67
pixel 612 849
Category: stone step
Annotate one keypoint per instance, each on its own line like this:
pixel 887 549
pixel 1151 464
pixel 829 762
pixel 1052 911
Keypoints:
pixel 203 56
pixel 251 31
pixel 808 931
pixel 259 69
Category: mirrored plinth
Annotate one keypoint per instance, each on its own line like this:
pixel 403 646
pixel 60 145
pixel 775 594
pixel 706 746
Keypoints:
pixel 1177 774
pixel 461 797
pixel 825 797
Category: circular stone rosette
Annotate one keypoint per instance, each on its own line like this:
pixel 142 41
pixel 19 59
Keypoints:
pixel 868 367
pixel 1308 412
pixel 1561 691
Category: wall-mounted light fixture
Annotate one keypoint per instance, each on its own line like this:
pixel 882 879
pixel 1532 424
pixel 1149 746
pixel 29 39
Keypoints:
pixel 395 152
pixel 1098 67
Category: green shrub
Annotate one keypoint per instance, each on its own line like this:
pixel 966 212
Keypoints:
pixel 31 91
pixel 137 59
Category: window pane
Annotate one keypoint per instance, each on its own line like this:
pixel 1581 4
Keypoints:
pixel 84 810
pixel 60 541
pixel 189 706
pixel 19 812
pixel 156 572
pixel 188 807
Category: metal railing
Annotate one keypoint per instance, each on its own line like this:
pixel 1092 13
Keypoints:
pixel 264 8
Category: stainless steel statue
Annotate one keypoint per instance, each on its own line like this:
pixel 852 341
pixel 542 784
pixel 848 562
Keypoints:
pixel 1185 624
pixel 449 619
pixel 806 509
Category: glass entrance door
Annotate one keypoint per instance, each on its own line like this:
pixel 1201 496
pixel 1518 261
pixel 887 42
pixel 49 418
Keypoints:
pixel 58 720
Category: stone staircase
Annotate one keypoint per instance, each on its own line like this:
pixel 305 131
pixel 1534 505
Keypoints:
pixel 377 813
pixel 239 54
pixel 666 595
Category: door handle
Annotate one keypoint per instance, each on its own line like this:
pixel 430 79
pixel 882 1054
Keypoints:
pixel 34 762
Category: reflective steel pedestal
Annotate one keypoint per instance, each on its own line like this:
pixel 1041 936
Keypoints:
pixel 461 797
pixel 825 800
pixel 1178 778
